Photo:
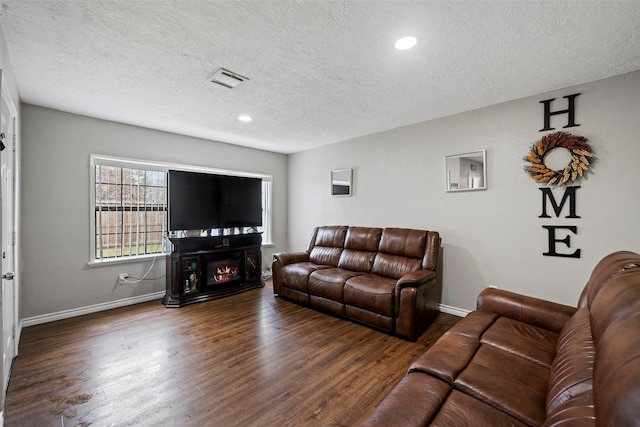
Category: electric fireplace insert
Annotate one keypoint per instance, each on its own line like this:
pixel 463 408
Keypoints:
pixel 224 269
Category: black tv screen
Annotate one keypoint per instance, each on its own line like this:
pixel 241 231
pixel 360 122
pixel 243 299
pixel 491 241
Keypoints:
pixel 203 201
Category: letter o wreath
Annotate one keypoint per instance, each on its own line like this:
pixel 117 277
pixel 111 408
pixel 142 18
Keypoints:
pixel 581 158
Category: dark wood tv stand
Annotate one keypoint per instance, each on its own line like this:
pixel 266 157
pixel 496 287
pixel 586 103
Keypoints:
pixel 205 268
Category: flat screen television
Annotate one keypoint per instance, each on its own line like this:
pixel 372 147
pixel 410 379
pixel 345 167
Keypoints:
pixel 203 201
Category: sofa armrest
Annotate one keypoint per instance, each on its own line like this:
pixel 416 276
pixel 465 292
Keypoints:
pixel 416 303
pixel 284 258
pixel 538 312
pixel 414 278
pixel 280 260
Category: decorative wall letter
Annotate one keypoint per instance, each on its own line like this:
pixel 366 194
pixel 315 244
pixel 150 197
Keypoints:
pixel 553 240
pixel 570 111
pixel 569 193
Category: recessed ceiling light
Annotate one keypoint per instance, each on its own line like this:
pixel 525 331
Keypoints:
pixel 244 118
pixel 406 43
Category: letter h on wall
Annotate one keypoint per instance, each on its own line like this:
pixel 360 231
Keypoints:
pixel 570 112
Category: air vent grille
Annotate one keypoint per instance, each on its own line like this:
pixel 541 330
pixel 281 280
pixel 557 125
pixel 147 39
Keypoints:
pixel 227 78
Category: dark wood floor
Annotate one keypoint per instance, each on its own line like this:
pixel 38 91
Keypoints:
pixel 247 360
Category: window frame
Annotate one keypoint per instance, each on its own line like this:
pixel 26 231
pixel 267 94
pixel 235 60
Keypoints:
pixel 105 160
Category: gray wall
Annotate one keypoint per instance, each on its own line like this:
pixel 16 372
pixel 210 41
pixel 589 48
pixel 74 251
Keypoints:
pixel 56 208
pixel 491 237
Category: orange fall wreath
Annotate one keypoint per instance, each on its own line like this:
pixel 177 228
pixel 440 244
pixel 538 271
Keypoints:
pixel 581 158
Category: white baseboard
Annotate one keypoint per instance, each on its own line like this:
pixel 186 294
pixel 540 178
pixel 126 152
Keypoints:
pixel 45 318
pixel 52 317
pixel 453 310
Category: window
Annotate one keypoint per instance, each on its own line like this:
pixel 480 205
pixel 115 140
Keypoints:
pixel 129 215
pixel 130 212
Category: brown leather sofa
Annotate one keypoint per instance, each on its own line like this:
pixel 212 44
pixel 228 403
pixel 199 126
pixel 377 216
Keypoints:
pixel 521 361
pixel 385 278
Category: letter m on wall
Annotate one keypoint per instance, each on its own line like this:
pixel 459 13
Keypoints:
pixel 569 194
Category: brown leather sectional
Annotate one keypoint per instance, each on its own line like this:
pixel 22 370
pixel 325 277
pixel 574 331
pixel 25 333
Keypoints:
pixel 386 278
pixel 521 361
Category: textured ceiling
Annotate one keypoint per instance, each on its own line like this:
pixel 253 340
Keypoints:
pixel 320 72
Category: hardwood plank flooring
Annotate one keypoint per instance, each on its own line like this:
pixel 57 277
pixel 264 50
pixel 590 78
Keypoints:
pixel 251 359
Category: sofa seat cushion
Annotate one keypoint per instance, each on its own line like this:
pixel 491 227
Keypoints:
pixel 413 402
pixel 463 410
pixel 447 357
pixel 420 399
pixel 371 292
pixel 526 340
pixel 296 276
pixel 511 383
pixel 492 374
pixel 474 324
pixel 455 349
pixel 329 282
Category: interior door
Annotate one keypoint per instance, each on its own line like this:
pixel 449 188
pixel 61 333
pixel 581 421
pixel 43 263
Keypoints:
pixel 7 234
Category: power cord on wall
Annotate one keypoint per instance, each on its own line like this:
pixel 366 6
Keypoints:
pixel 129 281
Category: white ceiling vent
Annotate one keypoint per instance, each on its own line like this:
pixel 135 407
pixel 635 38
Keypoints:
pixel 227 78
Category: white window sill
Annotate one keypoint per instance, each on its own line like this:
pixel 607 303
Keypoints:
pixel 127 260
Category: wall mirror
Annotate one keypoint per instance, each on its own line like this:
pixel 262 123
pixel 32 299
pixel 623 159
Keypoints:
pixel 466 172
pixel 341 182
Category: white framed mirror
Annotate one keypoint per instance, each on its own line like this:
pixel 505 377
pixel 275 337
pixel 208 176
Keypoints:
pixel 341 182
pixel 466 172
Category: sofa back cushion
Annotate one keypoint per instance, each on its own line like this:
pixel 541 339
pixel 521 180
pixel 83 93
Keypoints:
pixel 618 298
pixel 360 246
pixel 326 244
pixel 615 325
pixel 572 369
pixel 608 267
pixel 595 376
pixel 400 251
pixel 432 251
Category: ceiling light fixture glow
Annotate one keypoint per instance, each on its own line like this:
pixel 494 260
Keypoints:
pixel 406 43
pixel 244 118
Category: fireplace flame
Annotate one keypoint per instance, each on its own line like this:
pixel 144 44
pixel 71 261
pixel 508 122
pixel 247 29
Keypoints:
pixel 225 274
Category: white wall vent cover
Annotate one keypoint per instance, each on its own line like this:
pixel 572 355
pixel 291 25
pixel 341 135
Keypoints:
pixel 227 78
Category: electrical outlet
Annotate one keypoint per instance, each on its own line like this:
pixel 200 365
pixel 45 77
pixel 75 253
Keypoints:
pixel 122 277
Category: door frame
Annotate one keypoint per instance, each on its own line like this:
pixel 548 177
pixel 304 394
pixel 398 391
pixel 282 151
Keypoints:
pixel 13 145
